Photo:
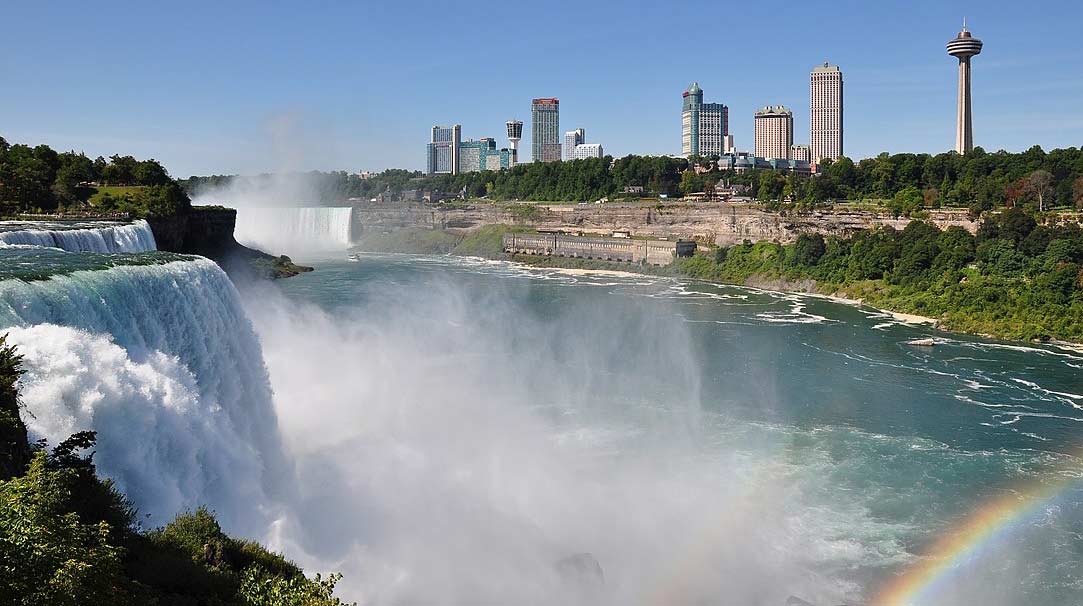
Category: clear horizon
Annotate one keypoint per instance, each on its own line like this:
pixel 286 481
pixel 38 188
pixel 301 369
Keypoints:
pixel 249 89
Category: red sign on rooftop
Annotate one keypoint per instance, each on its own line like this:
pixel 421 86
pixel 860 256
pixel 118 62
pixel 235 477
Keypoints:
pixel 547 101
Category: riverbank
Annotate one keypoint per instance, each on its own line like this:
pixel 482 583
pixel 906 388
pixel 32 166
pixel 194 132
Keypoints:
pixel 977 305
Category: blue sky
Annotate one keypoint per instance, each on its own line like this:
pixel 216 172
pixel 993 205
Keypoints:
pixel 248 87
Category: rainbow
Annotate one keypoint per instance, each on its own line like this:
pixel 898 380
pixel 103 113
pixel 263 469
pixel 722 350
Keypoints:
pixel 952 553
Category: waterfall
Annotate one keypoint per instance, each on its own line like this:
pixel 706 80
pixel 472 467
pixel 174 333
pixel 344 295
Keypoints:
pixel 163 363
pixel 106 238
pixel 295 229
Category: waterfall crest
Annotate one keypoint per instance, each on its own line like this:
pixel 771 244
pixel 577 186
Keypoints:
pixel 163 363
pixel 109 238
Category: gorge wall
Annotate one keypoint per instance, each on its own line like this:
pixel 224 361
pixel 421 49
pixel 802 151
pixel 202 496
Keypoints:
pixel 203 230
pixel 721 223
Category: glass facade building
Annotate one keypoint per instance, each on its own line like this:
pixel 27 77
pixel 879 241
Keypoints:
pixel 704 126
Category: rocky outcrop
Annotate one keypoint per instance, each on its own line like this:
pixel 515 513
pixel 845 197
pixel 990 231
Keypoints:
pixel 203 230
pixel 208 231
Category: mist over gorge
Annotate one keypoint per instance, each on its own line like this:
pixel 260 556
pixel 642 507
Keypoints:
pixel 449 429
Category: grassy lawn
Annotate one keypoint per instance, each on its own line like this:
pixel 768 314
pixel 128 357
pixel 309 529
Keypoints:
pixel 113 190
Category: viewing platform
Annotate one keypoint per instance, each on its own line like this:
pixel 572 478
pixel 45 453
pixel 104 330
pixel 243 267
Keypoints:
pixel 622 250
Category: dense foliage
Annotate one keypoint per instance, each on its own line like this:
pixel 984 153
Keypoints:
pixel 903 182
pixel 1014 278
pixel 152 201
pixel 67 537
pixel 39 178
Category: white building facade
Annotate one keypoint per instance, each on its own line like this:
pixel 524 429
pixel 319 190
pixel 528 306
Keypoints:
pixel 587 150
pixel 825 112
pixel 572 138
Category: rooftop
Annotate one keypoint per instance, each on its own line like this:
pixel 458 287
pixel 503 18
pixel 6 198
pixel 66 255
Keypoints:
pixel 773 109
pixel 826 67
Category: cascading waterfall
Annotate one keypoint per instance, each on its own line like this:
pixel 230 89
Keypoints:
pixel 295 229
pixel 163 363
pixel 109 238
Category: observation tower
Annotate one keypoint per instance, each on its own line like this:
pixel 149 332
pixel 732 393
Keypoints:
pixel 963 47
pixel 515 132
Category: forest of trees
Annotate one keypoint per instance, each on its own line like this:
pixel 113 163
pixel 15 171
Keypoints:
pixel 1015 278
pixel 39 178
pixel 904 183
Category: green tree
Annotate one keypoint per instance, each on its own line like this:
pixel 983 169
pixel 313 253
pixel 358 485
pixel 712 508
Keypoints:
pixel 47 554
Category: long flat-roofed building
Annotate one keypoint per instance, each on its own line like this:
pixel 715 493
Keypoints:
pixel 587 150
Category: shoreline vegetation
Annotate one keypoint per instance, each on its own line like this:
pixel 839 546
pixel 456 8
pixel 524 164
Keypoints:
pixel 1014 280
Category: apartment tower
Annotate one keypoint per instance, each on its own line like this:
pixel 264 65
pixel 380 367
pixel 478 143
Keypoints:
pixel 704 126
pixel 443 150
pixel 545 130
pixel 774 133
pixel 573 138
pixel 825 112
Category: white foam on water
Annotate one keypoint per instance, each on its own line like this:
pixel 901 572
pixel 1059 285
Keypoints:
pixel 163 363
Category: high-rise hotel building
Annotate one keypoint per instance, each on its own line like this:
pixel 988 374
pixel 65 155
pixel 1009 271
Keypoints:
pixel 825 112
pixel 443 150
pixel 545 130
pixel 774 133
pixel 573 138
pixel 704 126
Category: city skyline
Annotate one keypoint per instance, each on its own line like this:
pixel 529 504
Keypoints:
pixel 283 88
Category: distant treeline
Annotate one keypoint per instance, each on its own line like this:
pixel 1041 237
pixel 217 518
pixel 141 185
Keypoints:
pixel 39 178
pixel 905 182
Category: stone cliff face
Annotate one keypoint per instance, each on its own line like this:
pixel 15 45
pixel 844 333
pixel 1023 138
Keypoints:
pixel 719 223
pixel 204 230
pixel 208 231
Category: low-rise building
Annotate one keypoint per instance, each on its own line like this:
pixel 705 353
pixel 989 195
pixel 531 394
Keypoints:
pixel 741 162
pixel 587 150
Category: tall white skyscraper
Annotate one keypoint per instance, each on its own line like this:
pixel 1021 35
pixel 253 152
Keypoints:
pixel 572 138
pixel 774 133
pixel 825 112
